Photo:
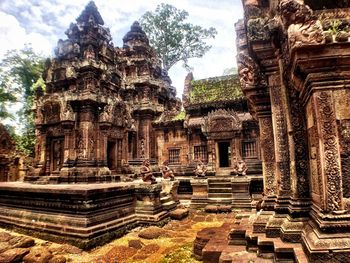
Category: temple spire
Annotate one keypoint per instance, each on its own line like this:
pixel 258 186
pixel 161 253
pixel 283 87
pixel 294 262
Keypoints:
pixel 136 33
pixel 90 14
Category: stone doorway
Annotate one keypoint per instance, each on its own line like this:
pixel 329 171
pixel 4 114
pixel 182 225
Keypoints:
pixel 56 154
pixel 114 153
pixel 224 149
pixel 111 155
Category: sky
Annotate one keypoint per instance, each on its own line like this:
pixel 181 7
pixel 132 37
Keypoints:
pixel 43 22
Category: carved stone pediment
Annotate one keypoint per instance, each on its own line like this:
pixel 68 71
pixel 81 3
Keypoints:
pixel 221 120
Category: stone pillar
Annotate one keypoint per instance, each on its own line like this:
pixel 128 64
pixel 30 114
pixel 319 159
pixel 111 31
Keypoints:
pixel 279 123
pixel 200 193
pixel 268 162
pixel 148 204
pixel 331 193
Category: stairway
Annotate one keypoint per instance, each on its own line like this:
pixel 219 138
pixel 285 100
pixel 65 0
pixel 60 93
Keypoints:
pixel 238 242
pixel 220 190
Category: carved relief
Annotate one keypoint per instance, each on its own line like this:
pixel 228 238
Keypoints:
pixel 222 121
pixel 67 113
pixel 51 112
pixel 344 141
pixel 268 155
pixel 249 72
pixel 281 138
pixel 303 27
pixel 298 123
pixel 329 138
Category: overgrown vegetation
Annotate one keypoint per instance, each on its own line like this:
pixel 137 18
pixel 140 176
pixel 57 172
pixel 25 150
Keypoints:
pixel 173 38
pixel 20 75
pixel 180 116
pixel 216 89
pixel 180 255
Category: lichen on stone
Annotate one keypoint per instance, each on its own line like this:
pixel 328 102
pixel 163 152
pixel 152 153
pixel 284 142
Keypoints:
pixel 216 89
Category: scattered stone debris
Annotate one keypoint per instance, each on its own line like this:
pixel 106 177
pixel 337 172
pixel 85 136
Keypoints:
pixel 153 232
pixel 136 243
pixel 38 255
pixel 170 244
pixel 179 213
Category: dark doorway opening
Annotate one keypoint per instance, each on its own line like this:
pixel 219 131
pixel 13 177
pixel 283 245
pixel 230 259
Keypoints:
pixel 111 155
pixel 56 148
pixel 224 154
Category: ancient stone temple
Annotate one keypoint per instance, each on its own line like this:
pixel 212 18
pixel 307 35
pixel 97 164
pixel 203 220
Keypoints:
pixel 11 161
pixel 99 103
pixel 92 119
pixel 216 129
pixel 293 59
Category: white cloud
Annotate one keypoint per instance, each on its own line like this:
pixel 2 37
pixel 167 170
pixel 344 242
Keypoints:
pixel 43 22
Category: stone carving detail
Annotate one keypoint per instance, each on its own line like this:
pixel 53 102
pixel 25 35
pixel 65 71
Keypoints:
pixel 68 113
pixel 344 132
pixel 281 138
pixel 167 172
pixel 330 149
pixel 201 169
pixel 51 112
pixel 240 168
pixel 146 173
pixel 249 72
pixel 268 155
pixel 298 123
pixel 222 121
pixel 80 144
pixel 303 27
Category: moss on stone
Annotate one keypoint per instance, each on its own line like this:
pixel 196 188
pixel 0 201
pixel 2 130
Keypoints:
pixel 180 116
pixel 216 89
pixel 180 255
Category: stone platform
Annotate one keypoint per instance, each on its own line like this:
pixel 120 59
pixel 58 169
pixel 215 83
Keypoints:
pixel 85 215
pixel 237 241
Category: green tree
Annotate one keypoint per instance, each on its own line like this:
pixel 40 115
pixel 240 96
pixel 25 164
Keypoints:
pixel 173 38
pixel 20 74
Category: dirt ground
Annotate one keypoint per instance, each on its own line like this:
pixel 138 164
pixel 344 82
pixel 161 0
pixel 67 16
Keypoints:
pixel 173 243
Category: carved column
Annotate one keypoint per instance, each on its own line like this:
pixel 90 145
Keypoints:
pixel 278 107
pixel 268 162
pixel 330 171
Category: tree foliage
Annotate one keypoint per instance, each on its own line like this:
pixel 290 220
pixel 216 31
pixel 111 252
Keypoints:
pixel 20 73
pixel 173 38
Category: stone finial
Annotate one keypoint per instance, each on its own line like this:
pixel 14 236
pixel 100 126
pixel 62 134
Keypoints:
pixel 90 14
pixel 136 33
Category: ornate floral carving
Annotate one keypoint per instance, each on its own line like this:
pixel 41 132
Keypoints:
pixel 222 121
pixel 344 136
pixel 281 137
pixel 268 155
pixel 331 167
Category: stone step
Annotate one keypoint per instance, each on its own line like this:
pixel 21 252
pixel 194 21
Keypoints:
pixel 220 184
pixel 219 195
pixel 215 200
pixel 219 190
pixel 220 180
pixel 165 199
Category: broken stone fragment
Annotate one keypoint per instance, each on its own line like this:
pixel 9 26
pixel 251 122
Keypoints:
pixel 179 213
pixel 153 233
pixel 136 243
pixel 38 255
pixel 14 255
pixel 21 242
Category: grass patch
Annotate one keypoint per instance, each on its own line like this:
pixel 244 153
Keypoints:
pixel 180 255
